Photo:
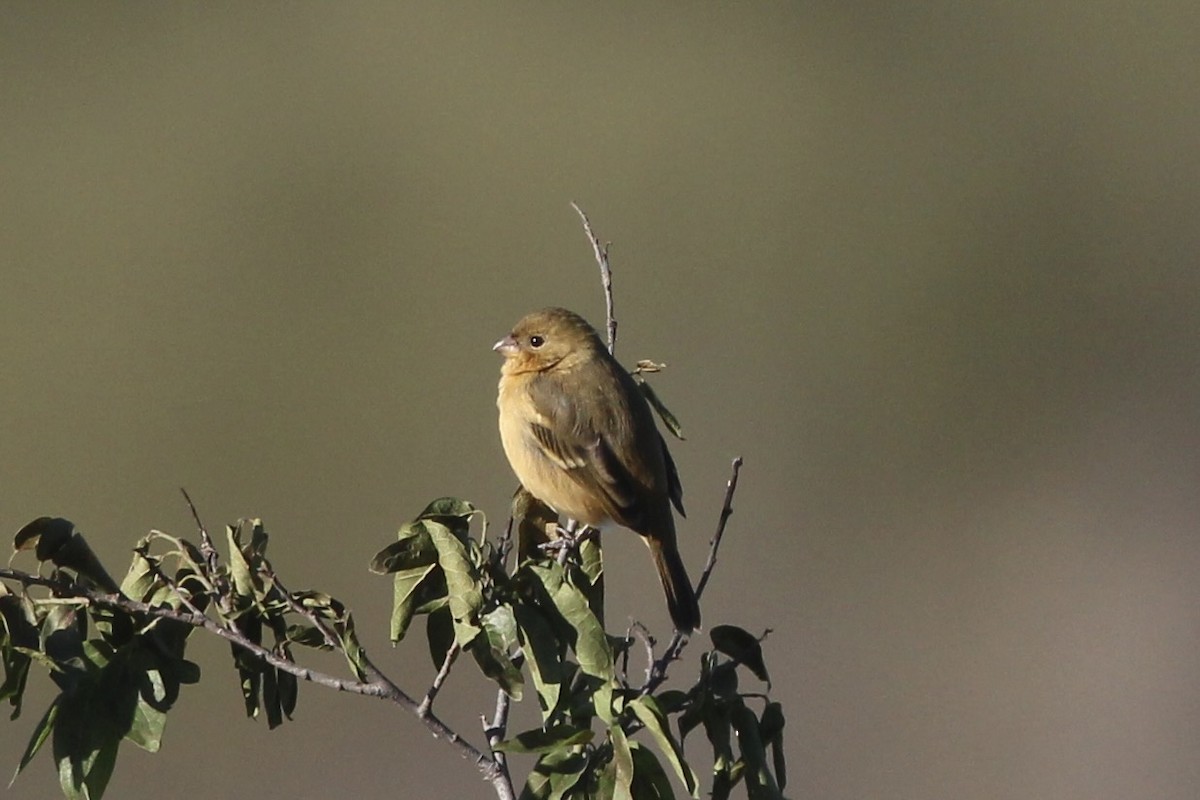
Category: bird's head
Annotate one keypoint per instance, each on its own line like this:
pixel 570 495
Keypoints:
pixel 548 338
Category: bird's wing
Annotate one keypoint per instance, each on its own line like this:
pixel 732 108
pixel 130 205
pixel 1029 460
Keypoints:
pixel 674 487
pixel 573 442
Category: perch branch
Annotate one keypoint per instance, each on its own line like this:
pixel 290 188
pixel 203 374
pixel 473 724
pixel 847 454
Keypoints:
pixel 657 671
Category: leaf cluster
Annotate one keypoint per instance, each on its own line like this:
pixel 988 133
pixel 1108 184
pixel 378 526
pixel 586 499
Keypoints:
pixel 541 621
pixel 116 651
pixel 118 674
pixel 529 612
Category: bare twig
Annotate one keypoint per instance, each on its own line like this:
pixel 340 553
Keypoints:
pixel 726 513
pixel 439 679
pixel 206 542
pixel 642 634
pixel 497 729
pixel 504 543
pixel 212 558
pixel 601 252
pixel 657 672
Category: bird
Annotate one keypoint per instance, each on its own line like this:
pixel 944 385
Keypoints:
pixel 580 437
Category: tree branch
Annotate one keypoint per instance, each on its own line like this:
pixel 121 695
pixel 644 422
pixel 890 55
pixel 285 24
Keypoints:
pixel 657 672
pixel 496 730
pixel 427 703
pixel 378 684
pixel 726 513
pixel 601 252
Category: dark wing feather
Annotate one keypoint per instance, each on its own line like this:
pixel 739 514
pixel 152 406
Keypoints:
pixel 589 459
pixel 674 487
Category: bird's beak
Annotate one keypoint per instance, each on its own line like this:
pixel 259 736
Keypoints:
pixel 506 346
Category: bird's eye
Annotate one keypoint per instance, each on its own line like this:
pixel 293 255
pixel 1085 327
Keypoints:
pixel 536 341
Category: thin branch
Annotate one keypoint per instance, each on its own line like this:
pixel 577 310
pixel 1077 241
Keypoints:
pixel 331 638
pixel 212 558
pixel 378 685
pixel 504 544
pixel 601 252
pixel 156 568
pixel 206 542
pixel 642 634
pixel 726 513
pixel 657 672
pixel 495 731
pixel 439 679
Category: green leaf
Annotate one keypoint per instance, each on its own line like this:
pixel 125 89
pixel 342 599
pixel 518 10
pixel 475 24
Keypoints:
pixel 555 773
pixel 593 651
pixel 719 731
pixel 605 787
pixel 146 727
pixel 85 742
pixel 407 595
pixel 98 654
pixel 355 655
pixel 185 671
pixel 61 637
pixel 414 549
pixel 548 740
pixel 321 604
pixel 501 626
pixel 771 731
pixel 543 655
pixel 289 692
pixel 56 540
pixel 453 513
pixel 672 700
pixel 650 782
pixel 16 676
pixel 439 630
pixel 743 647
pixel 250 684
pixel 591 644
pixel 44 535
pixel 306 635
pixel 141 581
pixel 462 581
pixel 244 580
pixel 270 697
pixel 664 413
pixel 18 638
pixel 450 507
pixel 651 715
pixel 491 654
pixel 760 784
pixel 724 680
pixel 591 571
pixel 41 732
pixel 622 764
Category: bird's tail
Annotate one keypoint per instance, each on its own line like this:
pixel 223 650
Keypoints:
pixel 681 598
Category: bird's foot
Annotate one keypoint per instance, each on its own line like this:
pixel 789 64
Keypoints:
pixel 566 540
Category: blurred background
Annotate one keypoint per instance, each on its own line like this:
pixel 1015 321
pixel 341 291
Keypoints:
pixel 931 269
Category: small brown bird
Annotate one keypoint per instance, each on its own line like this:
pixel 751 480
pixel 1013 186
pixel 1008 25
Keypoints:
pixel 581 438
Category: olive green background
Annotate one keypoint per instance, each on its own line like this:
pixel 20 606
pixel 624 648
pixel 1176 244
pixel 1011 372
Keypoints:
pixel 930 268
